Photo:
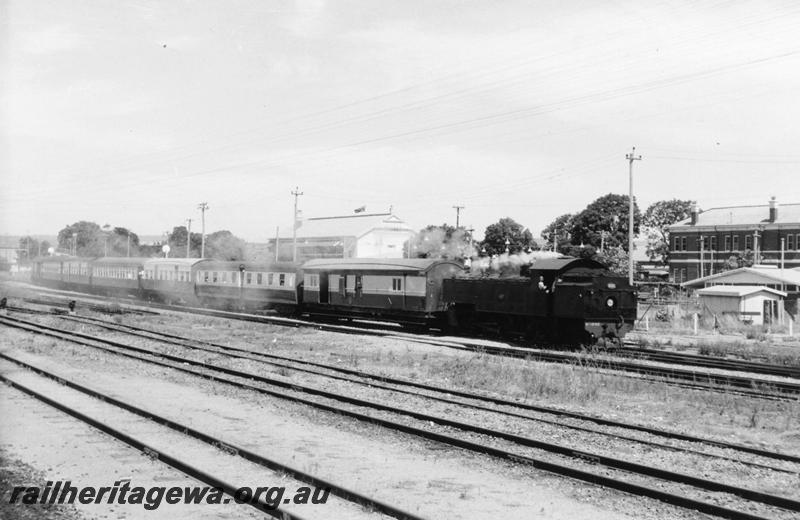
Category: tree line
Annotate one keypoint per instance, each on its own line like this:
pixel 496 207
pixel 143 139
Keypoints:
pixel 89 239
pixel 599 232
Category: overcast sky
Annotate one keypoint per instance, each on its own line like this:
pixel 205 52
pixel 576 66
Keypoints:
pixel 131 113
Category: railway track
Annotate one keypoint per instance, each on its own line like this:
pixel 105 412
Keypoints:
pixel 709 362
pixel 437 393
pixel 682 377
pixel 126 432
pixel 613 465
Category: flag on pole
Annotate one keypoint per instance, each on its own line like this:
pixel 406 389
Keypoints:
pixel 359 210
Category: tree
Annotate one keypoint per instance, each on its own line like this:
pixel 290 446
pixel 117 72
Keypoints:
pixel 31 248
pixel 177 242
pixel 560 230
pixel 605 221
pixel 118 242
pixel 443 241
pixel 495 237
pixel 658 217
pixel 223 245
pixel 88 239
pixel 615 259
pixel 738 260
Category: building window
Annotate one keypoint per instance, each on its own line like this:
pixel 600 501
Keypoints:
pixel 281 279
pixel 249 278
pixel 683 275
pixel 270 278
pixel 677 245
pixel 214 277
pixel 684 244
pixel 713 243
pixel 797 241
pixel 234 277
pixel 748 241
pixel 727 242
pixel 259 278
pixel 735 242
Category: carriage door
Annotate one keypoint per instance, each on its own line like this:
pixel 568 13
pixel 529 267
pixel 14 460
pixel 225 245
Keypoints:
pixel 323 288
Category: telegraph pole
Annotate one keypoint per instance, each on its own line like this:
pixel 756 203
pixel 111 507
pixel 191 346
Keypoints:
pixel 296 194
pixel 203 206
pixel 188 236
pixel 630 158
pixel 458 213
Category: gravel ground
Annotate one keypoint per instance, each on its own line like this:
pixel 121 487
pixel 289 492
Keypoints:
pixel 770 425
pixel 436 481
pixel 704 467
pixel 40 444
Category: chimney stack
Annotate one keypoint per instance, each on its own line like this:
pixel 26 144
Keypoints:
pixel 773 209
pixel 694 213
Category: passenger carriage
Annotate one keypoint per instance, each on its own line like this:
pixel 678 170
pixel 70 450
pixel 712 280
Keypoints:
pixel 117 276
pixel 247 285
pixel 404 290
pixel 170 280
pixel 61 272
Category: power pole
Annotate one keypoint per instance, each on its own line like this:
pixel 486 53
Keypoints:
pixel 188 237
pixel 631 157
pixel 458 212
pixel 203 206
pixel 296 194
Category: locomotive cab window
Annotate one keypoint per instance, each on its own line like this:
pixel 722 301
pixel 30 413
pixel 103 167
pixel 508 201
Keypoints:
pixel 397 284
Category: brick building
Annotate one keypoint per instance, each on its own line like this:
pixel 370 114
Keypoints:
pixel 702 244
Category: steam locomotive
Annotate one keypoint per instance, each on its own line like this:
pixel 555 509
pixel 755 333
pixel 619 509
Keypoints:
pixel 558 300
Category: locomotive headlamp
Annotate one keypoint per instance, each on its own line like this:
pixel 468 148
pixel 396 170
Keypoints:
pixel 610 303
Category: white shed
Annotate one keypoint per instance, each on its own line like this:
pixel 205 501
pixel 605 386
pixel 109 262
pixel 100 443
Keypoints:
pixel 751 303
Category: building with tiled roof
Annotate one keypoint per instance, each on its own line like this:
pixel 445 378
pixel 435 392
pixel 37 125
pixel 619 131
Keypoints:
pixel 713 240
pixel 370 235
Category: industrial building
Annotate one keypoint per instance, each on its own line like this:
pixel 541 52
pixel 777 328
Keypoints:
pixel 372 235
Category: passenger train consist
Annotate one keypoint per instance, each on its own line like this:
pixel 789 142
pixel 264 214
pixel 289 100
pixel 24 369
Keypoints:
pixel 561 300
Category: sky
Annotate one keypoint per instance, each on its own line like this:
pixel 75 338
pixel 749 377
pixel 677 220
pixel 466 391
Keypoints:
pixel 131 113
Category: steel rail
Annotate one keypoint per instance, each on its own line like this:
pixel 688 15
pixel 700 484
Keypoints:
pixel 337 490
pixel 711 361
pixel 356 374
pixel 145 448
pixel 673 376
pixel 778 501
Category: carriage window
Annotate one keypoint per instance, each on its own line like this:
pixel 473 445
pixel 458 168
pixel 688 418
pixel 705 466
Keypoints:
pixel 397 284
pixel 205 276
pixel 281 279
pixel 359 285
